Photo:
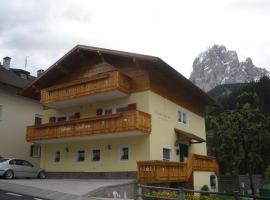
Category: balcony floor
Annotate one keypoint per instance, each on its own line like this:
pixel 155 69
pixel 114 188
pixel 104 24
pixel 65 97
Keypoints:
pixel 92 137
pixel 87 99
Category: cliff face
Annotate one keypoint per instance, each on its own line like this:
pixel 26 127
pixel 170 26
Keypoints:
pixel 217 66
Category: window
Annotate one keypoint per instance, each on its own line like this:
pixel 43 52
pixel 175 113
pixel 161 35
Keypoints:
pixel 57 156
pixel 61 118
pixel 124 153
pixel 166 153
pixel 122 108
pixel 81 156
pixel 35 151
pixel 38 119
pixel 95 155
pixel 26 163
pixel 1 112
pixel 23 76
pixel 108 111
pixel 182 117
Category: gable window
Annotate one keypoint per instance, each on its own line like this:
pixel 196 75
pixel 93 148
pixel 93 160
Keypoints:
pixel 81 156
pixel 124 153
pixel 57 157
pixel 38 119
pixel 166 153
pixel 95 155
pixel 182 116
pixel 1 112
pixel 35 151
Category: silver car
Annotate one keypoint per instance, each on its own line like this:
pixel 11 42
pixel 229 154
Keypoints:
pixel 11 168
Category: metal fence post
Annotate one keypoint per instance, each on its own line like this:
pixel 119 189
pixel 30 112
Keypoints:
pixel 139 192
pixel 236 195
pixel 181 193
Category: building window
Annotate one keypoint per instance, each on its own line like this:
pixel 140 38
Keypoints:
pixel 57 156
pixel 38 119
pixel 124 153
pixel 166 152
pixel 95 155
pixel 1 112
pixel 81 156
pixel 23 76
pixel 182 117
pixel 35 151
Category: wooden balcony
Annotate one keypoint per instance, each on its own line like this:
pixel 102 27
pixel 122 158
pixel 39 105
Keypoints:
pixel 157 171
pixel 105 126
pixel 108 85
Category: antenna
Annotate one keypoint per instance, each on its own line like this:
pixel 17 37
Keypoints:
pixel 25 62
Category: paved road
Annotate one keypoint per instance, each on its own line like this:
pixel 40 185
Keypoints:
pixel 6 195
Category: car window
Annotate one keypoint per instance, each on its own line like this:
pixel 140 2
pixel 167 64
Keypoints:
pixel 12 162
pixel 3 160
pixel 26 163
pixel 18 162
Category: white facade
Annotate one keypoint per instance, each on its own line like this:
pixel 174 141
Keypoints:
pixel 16 112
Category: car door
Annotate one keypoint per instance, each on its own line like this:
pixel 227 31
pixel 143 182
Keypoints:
pixel 15 166
pixel 29 169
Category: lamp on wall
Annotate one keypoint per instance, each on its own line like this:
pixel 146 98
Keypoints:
pixel 109 147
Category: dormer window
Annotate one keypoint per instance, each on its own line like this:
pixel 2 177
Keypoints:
pixel 23 76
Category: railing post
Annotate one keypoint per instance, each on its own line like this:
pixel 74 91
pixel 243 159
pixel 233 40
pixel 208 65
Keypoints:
pixel 236 195
pixel 181 193
pixel 139 192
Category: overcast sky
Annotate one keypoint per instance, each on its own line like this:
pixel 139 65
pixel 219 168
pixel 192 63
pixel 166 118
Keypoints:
pixel 176 31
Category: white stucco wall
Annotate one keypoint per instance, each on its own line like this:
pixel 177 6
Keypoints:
pixel 18 112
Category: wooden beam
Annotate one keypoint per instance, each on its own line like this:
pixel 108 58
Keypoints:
pixel 62 69
pixel 101 56
pixel 36 88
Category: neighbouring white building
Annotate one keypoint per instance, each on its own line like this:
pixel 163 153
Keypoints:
pixel 16 112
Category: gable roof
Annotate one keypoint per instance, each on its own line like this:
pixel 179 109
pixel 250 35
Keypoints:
pixel 74 56
pixel 12 78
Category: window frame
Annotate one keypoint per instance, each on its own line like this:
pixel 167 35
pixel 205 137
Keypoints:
pixel 77 156
pixel 121 153
pixel 182 113
pixel 92 155
pixel 54 157
pixel 170 153
pixel 31 150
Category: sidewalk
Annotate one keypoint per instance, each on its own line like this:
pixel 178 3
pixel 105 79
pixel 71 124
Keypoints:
pixel 60 189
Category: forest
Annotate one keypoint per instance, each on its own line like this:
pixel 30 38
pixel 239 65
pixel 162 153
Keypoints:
pixel 238 128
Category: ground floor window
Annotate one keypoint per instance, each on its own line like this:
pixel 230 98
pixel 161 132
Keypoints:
pixel 166 154
pixel 57 156
pixel 35 151
pixel 124 153
pixel 81 156
pixel 95 155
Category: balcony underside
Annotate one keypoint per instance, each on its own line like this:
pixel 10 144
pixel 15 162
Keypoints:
pixel 91 137
pixel 115 94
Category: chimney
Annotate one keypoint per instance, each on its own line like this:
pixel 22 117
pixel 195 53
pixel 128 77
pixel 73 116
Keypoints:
pixel 6 62
pixel 40 72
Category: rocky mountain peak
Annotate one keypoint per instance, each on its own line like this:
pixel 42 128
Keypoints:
pixel 217 66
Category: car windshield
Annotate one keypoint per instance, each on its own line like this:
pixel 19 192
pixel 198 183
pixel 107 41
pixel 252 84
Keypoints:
pixel 3 160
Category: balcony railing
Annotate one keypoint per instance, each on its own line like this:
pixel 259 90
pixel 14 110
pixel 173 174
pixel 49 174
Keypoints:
pixel 100 125
pixel 156 171
pixel 100 83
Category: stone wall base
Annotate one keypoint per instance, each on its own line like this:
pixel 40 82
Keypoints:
pixel 91 175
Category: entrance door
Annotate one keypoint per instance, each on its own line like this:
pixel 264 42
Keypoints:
pixel 183 152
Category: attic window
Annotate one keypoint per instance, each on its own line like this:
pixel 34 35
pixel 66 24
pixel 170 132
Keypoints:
pixel 23 76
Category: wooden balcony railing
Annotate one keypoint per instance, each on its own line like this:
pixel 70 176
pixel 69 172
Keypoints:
pixel 156 171
pixel 115 123
pixel 100 83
